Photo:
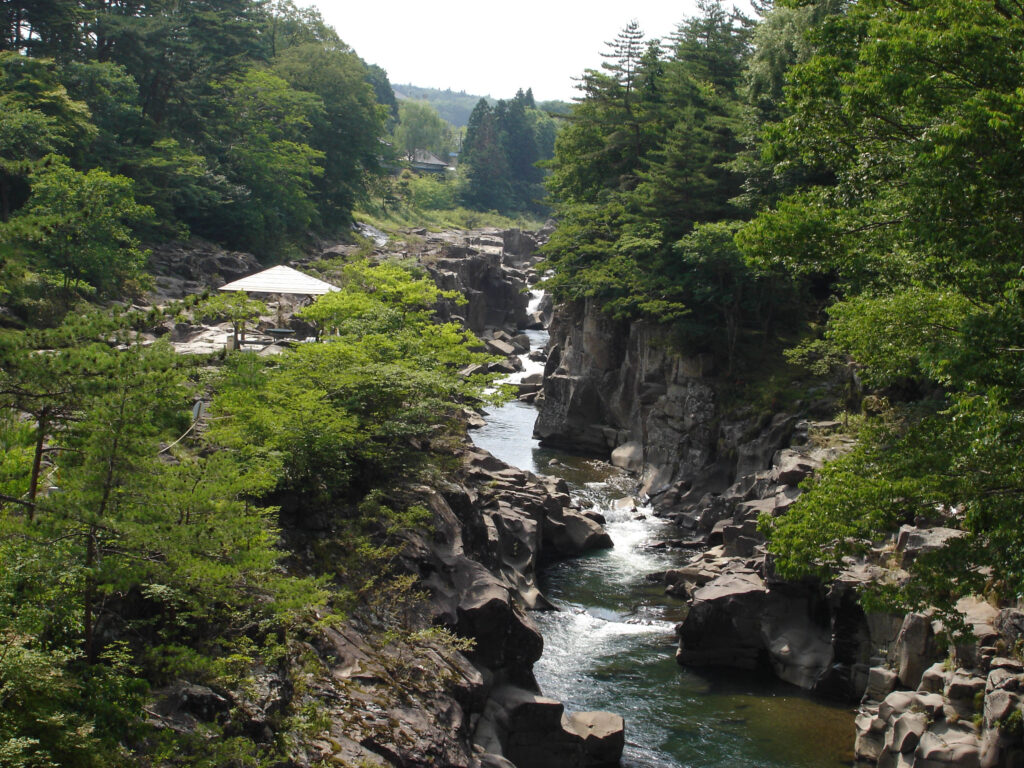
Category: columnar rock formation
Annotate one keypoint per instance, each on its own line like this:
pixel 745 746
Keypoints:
pixel 617 390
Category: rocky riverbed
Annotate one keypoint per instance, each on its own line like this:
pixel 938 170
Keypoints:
pixel 615 390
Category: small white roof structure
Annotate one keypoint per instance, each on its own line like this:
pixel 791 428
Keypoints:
pixel 281 279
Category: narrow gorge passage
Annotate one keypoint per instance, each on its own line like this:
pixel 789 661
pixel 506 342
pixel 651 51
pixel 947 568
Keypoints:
pixel 611 645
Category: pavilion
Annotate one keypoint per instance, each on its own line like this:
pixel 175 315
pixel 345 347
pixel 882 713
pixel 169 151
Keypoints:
pixel 281 279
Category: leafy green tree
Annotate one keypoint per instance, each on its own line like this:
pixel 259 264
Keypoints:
pixel 347 126
pixel 42 28
pixel 612 129
pixel 486 174
pixel 79 225
pixel 911 110
pixel 178 53
pixel 237 307
pixel 378 80
pixel 37 118
pixel 50 388
pixel 519 140
pixel 263 136
pixel 357 409
pixel 421 128
pixel 642 172
pixel 147 559
pixel 714 45
pixel 285 25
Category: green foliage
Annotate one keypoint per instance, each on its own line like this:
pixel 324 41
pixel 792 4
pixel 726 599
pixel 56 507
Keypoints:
pixel 453 107
pixel 37 118
pixel 431 193
pixel 420 127
pixel 245 122
pixel 114 551
pixel 235 306
pixel 348 128
pixel 263 129
pixel 43 721
pixel 343 415
pixel 501 153
pixel 79 226
pixel 906 110
pixel 644 188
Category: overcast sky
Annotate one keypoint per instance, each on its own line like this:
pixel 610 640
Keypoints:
pixel 494 48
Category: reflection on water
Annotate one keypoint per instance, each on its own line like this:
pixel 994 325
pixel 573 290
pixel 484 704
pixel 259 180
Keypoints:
pixel 612 645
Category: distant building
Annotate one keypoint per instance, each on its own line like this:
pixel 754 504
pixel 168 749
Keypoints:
pixel 427 162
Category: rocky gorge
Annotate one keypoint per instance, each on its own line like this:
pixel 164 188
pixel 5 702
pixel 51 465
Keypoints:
pixel 618 391
pixel 493 527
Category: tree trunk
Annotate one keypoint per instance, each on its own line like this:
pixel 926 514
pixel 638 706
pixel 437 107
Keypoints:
pixel 37 461
pixel 88 622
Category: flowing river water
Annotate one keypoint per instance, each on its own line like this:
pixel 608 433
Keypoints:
pixel 611 645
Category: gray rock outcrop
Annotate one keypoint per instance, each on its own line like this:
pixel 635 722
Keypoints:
pixel 531 730
pixel 182 269
pixel 613 388
pixel 955 716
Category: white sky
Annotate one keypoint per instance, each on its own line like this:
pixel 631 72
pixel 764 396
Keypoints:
pixel 494 48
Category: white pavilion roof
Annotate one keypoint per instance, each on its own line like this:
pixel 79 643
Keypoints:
pixel 281 279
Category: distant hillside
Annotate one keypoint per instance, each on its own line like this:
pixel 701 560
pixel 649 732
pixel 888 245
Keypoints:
pixel 555 107
pixel 451 105
pixel 455 106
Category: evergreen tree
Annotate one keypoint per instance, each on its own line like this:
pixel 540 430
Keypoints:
pixel 486 172
pixel 79 226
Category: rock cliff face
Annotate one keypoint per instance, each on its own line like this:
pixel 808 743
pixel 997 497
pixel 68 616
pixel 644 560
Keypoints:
pixel 182 269
pixel 492 525
pixel 490 269
pixel 616 389
pixel 965 711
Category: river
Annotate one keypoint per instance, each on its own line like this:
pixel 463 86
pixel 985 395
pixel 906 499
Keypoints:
pixel 611 645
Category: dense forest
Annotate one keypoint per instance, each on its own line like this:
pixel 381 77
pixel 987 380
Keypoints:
pixel 836 181
pixel 244 122
pixel 139 547
pixel 499 155
pixel 453 107
pixel 842 176
pixel 456 107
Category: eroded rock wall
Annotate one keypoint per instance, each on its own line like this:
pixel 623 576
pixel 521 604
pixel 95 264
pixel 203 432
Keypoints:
pixel 618 390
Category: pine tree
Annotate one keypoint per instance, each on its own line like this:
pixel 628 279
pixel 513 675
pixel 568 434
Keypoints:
pixel 487 182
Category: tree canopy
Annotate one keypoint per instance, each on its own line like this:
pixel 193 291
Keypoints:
pixel 861 157
pixel 246 122
pixel 911 110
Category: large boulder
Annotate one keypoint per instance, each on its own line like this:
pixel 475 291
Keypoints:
pixel 568 533
pixel 723 626
pixel 915 649
pixel 506 638
pixel 913 541
pixel 1009 623
pixel 948 745
pixel 800 648
pixel 629 456
pixel 532 730
pixel 603 735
